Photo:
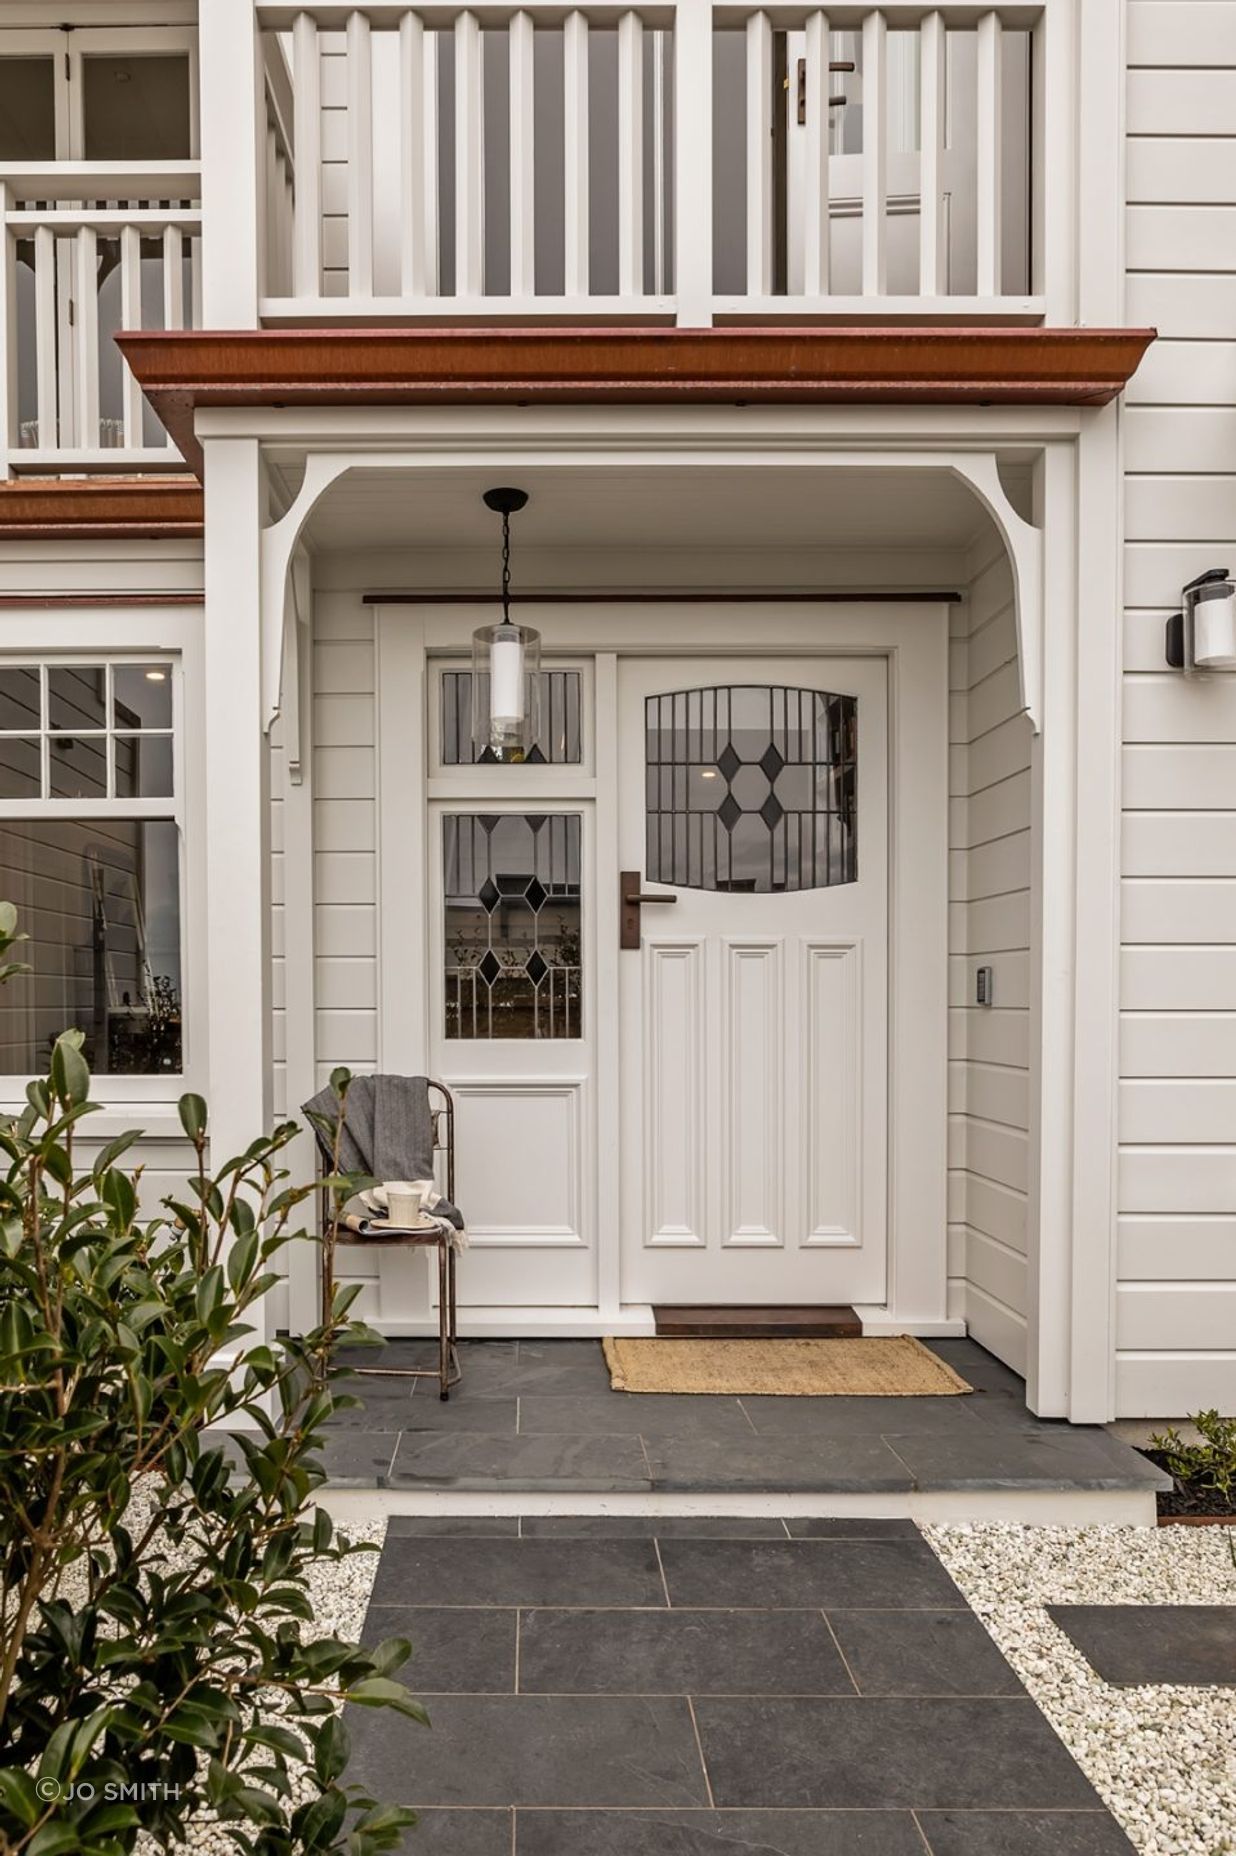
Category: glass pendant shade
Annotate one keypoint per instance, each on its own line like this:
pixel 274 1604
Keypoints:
pixel 506 685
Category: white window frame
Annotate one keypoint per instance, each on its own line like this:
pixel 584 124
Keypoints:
pixel 68 46
pixel 119 635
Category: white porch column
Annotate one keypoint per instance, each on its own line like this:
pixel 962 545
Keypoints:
pixel 237 803
pixel 233 118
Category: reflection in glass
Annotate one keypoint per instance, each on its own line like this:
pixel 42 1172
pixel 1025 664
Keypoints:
pixel 19 696
pixel 20 768
pixel 77 766
pixel 141 696
pixel 751 787
pixel 100 900
pixel 77 696
pixel 558 740
pixel 512 925
pixel 143 766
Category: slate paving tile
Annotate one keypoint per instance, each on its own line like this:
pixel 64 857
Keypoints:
pixel 494 1417
pixel 859 1417
pixel 527 1572
pixel 652 1526
pixel 802 1574
pixel 429 1526
pixel 460 1833
pixel 850 1527
pixel 384 1404
pixel 594 1751
pixel 454 1652
pixel 476 1460
pixel 780 1464
pixel 979 1368
pixel 1023 1833
pixel 921 1653
pixel 561 1368
pixel 679 1653
pixel 359 1458
pixel 1014 1458
pixel 887 1754
pixel 712 1833
pixel 1192 1645
pixel 636 1414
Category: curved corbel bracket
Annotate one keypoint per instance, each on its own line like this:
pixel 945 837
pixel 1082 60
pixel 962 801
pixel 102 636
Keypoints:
pixel 1024 546
pixel 278 544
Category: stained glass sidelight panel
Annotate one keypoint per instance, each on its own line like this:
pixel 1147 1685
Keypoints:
pixel 512 920
pixel 751 787
pixel 559 742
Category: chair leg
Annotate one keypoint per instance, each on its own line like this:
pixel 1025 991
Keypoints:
pixel 444 1321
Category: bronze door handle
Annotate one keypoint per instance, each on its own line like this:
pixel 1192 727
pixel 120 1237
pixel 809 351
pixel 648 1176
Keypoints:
pixel 630 897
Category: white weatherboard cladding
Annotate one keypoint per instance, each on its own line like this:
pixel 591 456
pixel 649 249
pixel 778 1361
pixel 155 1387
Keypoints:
pixel 989 925
pixel 1176 1295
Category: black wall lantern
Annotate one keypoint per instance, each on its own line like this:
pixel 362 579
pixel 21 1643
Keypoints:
pixel 1203 636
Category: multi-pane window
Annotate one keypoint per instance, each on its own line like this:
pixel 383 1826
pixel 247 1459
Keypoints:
pixel 559 741
pixel 90 856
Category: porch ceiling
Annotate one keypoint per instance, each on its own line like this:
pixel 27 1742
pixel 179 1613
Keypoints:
pixel 696 510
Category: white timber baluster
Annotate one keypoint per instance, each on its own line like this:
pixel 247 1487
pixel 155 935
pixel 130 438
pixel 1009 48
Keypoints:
pixel 173 278
pixel 469 158
pixel 817 231
pixel 45 318
pixel 630 155
pixel 523 219
pixel 86 335
pixel 989 62
pixel 130 318
pixel 875 154
pixel 418 158
pixel 932 252
pixel 360 156
pixel 307 236
pixel 575 154
pixel 272 239
pixel 658 161
pixel 759 155
pixel 9 434
pixel 693 279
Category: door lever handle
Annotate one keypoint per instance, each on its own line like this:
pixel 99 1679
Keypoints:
pixel 630 897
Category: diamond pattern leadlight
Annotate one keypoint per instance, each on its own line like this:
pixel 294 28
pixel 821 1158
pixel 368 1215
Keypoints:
pixel 752 787
pixel 512 921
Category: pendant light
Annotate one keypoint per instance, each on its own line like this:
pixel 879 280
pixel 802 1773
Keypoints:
pixel 506 662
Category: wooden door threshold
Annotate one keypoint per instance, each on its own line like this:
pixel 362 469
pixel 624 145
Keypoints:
pixel 703 1322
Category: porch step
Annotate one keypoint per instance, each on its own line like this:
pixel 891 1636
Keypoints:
pixel 702 1322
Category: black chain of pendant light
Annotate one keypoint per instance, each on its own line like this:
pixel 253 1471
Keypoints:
pixel 506 503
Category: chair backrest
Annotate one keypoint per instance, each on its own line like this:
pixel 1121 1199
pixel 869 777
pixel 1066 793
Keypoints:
pixel 441 1107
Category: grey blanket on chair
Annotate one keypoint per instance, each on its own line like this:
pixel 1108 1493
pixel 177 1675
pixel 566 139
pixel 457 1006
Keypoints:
pixel 387 1131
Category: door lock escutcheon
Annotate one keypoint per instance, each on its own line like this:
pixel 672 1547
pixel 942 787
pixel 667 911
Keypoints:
pixel 630 897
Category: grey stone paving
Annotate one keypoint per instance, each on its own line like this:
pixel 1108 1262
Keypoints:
pixel 540 1415
pixel 606 1692
pixel 1192 1646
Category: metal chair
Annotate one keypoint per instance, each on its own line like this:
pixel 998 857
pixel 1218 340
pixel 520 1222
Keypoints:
pixel 447 1372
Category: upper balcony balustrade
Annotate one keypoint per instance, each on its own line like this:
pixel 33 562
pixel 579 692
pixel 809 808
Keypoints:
pixel 682 163
pixel 678 162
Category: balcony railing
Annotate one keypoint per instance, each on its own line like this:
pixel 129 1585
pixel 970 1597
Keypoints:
pixel 680 161
pixel 85 249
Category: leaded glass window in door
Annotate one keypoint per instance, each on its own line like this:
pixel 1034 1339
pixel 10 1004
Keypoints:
pixel 512 924
pixel 751 787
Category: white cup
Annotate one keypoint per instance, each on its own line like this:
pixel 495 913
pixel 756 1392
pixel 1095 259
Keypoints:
pixel 404 1202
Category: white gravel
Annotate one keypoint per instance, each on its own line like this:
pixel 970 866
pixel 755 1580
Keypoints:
pixel 1162 1758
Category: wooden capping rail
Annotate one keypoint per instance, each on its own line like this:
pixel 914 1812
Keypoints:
pixel 180 370
pixel 149 508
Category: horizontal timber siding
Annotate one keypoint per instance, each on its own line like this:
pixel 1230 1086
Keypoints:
pixel 989 894
pixel 1176 1296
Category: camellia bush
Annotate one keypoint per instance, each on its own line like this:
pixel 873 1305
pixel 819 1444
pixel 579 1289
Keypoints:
pixel 159 1660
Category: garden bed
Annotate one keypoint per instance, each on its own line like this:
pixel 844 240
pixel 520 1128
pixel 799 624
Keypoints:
pixel 1186 1504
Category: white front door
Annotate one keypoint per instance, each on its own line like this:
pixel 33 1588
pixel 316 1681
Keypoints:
pixel 754 1008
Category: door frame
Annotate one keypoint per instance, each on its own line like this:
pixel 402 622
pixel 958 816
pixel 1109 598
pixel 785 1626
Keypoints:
pixel 913 637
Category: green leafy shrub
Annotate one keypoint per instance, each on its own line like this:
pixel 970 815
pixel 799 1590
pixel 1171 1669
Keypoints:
pixel 159 1660
pixel 1209 1465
